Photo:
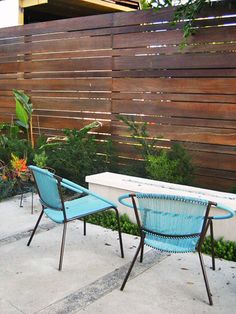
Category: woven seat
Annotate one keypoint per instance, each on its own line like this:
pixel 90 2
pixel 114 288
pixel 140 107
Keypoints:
pixel 171 223
pixel 77 208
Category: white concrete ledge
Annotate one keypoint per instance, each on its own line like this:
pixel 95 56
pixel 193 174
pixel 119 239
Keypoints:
pixel 112 185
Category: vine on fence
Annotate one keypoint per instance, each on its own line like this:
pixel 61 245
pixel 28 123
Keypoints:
pixel 185 11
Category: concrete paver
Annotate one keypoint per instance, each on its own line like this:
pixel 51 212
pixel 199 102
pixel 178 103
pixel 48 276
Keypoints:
pixel 175 285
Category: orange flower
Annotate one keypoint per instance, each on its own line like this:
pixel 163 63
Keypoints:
pixel 19 165
pixel 4 178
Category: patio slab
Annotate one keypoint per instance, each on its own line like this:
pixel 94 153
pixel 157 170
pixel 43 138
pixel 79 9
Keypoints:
pixel 93 271
pixel 175 285
pixel 16 219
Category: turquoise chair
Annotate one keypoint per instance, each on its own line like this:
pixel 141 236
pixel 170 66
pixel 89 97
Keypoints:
pixel 174 224
pixel 49 187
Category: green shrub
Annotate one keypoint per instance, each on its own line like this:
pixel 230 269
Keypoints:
pixel 172 166
pixel 77 157
pixel 108 220
pixel 139 133
pixel 6 188
pixel 233 189
pixel 11 142
pixel 223 248
pixel 18 147
pixel 40 159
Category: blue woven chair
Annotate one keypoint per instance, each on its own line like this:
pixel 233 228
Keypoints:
pixel 49 187
pixel 172 224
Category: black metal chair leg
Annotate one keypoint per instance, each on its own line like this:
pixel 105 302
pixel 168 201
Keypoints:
pixel 212 245
pixel 142 248
pixel 84 226
pixel 131 267
pixel 62 246
pixel 119 232
pixel 35 228
pixel 32 201
pixel 205 278
pixel 21 199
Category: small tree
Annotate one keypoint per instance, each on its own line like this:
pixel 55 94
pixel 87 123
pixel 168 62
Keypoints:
pixel 24 111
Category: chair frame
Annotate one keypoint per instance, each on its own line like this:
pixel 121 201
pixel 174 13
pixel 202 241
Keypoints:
pixel 44 206
pixel 206 223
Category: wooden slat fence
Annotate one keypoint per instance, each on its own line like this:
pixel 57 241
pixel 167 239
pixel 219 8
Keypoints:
pixel 81 69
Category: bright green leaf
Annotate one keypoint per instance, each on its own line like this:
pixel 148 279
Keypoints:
pixel 22 97
pixel 23 125
pixel 21 114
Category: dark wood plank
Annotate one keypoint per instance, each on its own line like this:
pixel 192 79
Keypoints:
pixel 176 109
pixel 184 121
pixel 85 64
pixel 176 85
pixel 180 61
pixel 58 84
pixel 84 43
pixel 215 161
pixel 73 24
pixel 186 133
pixel 177 73
pixel 165 96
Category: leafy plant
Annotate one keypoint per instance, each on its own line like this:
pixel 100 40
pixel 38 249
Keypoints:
pixel 40 159
pixel 11 140
pixel 173 166
pixel 9 176
pixel 145 4
pixel 6 187
pixel 223 248
pixel 77 156
pixel 108 219
pixel 233 189
pixel 19 147
pixel 8 131
pixel 24 111
pixel 140 134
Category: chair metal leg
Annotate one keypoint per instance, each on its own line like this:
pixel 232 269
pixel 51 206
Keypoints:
pixel 84 226
pixel 32 201
pixel 142 247
pixel 21 199
pixel 35 228
pixel 205 278
pixel 119 232
pixel 212 245
pixel 62 246
pixel 131 266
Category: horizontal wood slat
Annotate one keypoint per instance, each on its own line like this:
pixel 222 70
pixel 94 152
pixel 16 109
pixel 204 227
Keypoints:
pixel 186 133
pixel 177 109
pixel 58 84
pixel 99 67
pixel 180 61
pixel 84 43
pixel 176 85
pixel 58 65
